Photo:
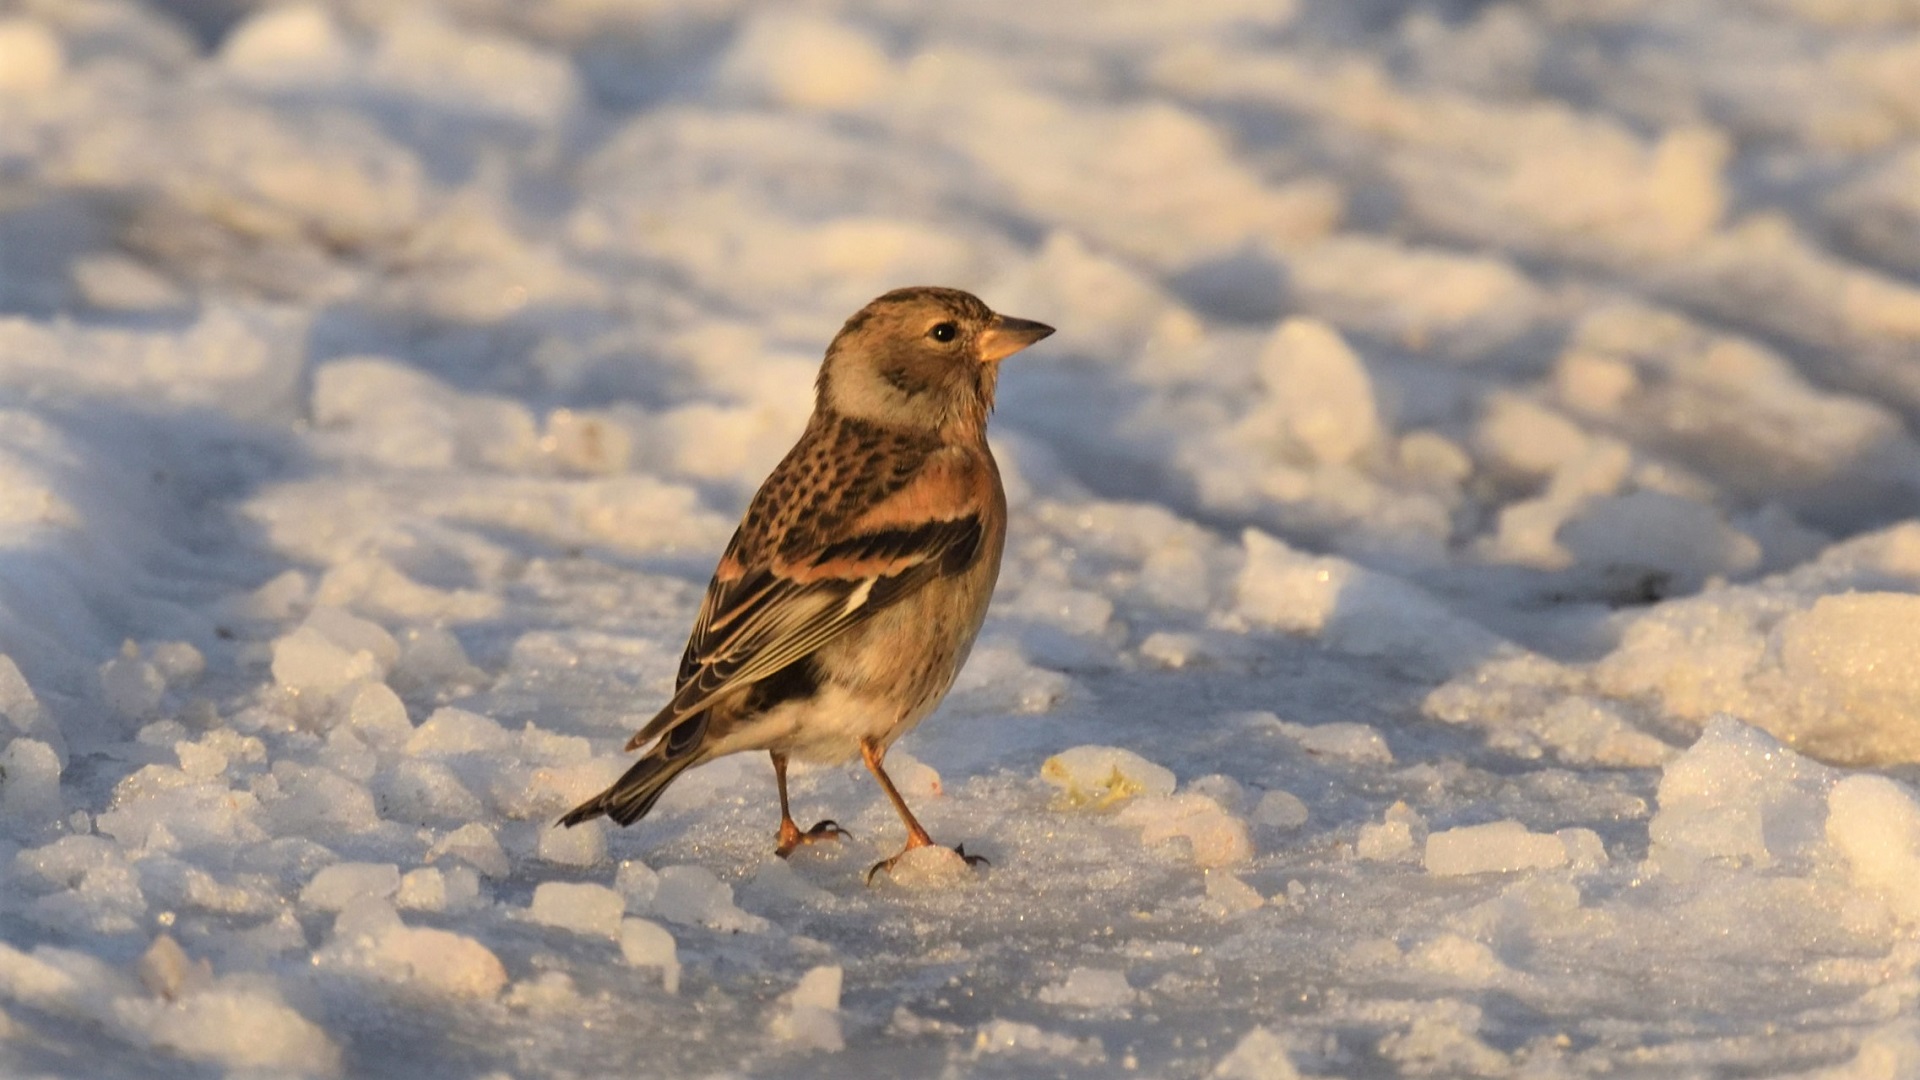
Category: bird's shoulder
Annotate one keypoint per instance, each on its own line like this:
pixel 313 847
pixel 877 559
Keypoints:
pixel 847 477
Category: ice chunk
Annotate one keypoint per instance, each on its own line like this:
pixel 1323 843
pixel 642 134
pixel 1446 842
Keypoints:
pixel 775 881
pixel 431 658
pixel 1498 847
pixel 1076 612
pixel 278 600
pixel 178 662
pixel 645 943
pixel 167 972
pixel 1227 895
pixel 1738 795
pixel 917 780
pixel 1280 809
pixel 1101 776
pixel 806 61
pixel 475 843
pixel 241 1024
pixel 21 707
pixel 1385 841
pixel 287 44
pixel 89 885
pixel 545 791
pixel 550 992
pixel 1259 1055
pixel 1014 1037
pixel 374 584
pixel 1810 656
pixel 200 760
pixel 1585 849
pixel 307 662
pixel 1223 789
pixel 1429 299
pixel 1461 960
pixel 131 686
pixel 1875 823
pixel 424 889
pixel 369 938
pixel 1353 609
pixel 638 883
pixel 931 867
pixel 1520 436
pixel 422 791
pixel 582 845
pixel 1444 1040
pixel 1862 650
pixel 316 799
pixel 337 887
pixel 1091 988
pixel 1215 837
pixel 1319 393
pixel 1890 1051
pixel 583 908
pixel 471 71
pixel 693 895
pixel 1683 538
pixel 31 59
pixel 51 978
pixel 29 782
pixel 810 1014
pixel 1339 740
pixel 375 713
pixel 450 731
pixel 161 807
pixel 355 635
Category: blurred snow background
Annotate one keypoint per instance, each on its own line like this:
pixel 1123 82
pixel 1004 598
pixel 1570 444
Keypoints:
pixel 1462 615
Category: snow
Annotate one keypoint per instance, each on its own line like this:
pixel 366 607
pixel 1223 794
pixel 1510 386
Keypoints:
pixel 808 1016
pixel 581 907
pixel 1497 847
pixel 1464 564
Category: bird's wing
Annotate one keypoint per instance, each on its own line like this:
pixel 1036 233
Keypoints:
pixel 786 599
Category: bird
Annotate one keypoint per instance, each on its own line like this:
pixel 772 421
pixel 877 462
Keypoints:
pixel 853 589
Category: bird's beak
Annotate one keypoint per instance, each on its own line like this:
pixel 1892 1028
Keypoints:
pixel 1008 335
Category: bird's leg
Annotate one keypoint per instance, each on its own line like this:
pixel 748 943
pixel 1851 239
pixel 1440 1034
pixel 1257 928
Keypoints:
pixel 790 835
pixel 872 752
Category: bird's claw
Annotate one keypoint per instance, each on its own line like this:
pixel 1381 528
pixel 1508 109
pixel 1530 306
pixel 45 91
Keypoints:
pixel 958 849
pixel 827 830
pixel 792 838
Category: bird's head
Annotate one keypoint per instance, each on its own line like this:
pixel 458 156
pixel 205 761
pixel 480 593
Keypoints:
pixel 922 357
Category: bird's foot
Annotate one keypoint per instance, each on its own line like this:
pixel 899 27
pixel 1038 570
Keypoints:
pixel 889 864
pixel 792 839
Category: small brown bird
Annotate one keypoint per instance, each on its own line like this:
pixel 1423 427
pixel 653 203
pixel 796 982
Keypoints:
pixel 851 593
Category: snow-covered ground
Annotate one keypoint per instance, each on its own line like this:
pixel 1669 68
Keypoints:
pixel 1461 616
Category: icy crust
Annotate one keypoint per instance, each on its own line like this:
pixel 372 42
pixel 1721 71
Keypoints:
pixel 1823 657
pixel 1463 570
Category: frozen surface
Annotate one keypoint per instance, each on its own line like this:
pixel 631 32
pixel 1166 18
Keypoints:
pixel 1461 615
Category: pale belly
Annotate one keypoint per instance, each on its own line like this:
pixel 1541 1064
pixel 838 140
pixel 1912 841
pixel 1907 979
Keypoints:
pixel 884 678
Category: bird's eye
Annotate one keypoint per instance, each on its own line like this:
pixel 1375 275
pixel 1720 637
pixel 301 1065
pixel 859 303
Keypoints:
pixel 945 331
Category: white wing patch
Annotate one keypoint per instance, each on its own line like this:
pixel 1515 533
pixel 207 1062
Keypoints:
pixel 858 596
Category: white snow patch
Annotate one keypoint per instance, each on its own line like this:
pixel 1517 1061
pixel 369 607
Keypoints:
pixel 809 1015
pixel 693 895
pixel 582 907
pixel 645 943
pixel 1498 847
pixel 1259 1055
pixel 1091 988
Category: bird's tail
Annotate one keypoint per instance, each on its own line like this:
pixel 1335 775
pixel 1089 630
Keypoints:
pixel 631 796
